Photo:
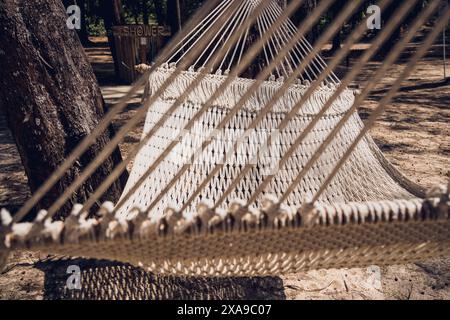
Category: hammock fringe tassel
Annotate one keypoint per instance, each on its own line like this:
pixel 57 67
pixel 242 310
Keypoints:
pixel 320 236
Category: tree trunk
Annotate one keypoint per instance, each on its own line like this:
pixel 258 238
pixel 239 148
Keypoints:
pixel 302 14
pixel 50 97
pixel 83 33
pixel 160 12
pixel 175 15
pixel 415 12
pixel 145 13
pixel 388 13
pixel 118 12
pixel 335 10
pixel 112 16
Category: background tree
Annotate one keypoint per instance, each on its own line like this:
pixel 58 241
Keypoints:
pixel 112 14
pixel 160 9
pixel 145 11
pixel 386 15
pixel 50 97
pixel 176 10
pixel 302 13
pixel 335 9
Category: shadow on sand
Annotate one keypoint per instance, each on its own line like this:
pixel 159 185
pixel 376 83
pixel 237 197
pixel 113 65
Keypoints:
pixel 101 279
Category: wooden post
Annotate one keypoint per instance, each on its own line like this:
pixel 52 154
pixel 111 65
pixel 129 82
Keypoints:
pixel 133 44
pixel 444 54
pixel 444 46
pixel 178 14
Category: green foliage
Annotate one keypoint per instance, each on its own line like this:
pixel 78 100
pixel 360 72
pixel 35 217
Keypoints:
pixel 95 27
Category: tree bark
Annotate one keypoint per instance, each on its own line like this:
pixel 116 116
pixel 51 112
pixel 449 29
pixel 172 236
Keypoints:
pixel 118 12
pixel 301 15
pixel 175 15
pixel 387 14
pixel 145 13
pixel 112 16
pixel 335 10
pixel 83 33
pixel 160 12
pixel 50 97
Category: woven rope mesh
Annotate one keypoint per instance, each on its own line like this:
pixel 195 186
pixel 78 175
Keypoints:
pixel 363 178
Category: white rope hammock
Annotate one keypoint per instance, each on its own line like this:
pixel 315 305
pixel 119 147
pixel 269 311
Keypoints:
pixel 244 171
pixel 362 179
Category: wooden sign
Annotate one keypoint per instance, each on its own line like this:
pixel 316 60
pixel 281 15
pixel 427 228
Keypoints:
pixel 137 44
pixel 148 31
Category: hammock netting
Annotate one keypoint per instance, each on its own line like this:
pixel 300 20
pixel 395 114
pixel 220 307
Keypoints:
pixel 369 213
pixel 363 178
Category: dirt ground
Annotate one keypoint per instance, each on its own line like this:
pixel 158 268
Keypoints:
pixel 414 133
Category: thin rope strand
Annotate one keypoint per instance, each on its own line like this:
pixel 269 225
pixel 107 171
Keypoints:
pixel 303 53
pixel 249 56
pixel 244 41
pixel 210 20
pixel 276 42
pixel 246 60
pixel 305 42
pixel 266 49
pixel 394 89
pixel 356 34
pixel 242 36
pixel 220 34
pixel 323 6
pixel 380 73
pixel 292 53
pixel 298 48
pixel 239 23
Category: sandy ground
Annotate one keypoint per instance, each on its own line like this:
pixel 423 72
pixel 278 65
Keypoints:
pixel 414 133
